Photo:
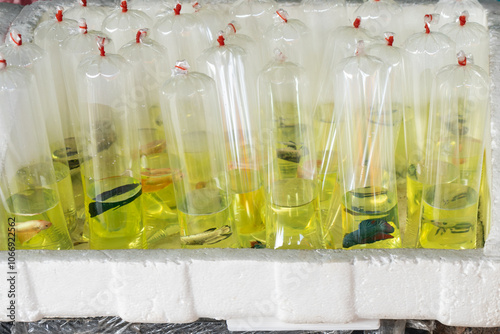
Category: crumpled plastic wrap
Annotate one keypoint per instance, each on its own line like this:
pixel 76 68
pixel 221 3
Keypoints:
pixel 115 325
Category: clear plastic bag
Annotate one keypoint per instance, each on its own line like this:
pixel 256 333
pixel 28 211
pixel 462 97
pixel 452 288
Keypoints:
pixel 30 189
pixel 379 16
pixel 293 38
pixel 394 58
pixel 255 51
pixel 109 152
pixel 449 10
pixel 149 64
pixel 254 16
pixel 292 195
pixel 228 65
pixel 33 58
pixel 122 24
pixel 212 18
pixel 365 132
pixel 74 48
pixel 454 156
pixel 194 131
pixel 49 35
pixel 184 35
pixel 470 37
pixel 427 52
pixel 94 15
pixel 151 8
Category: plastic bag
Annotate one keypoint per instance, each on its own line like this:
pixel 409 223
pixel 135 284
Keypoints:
pixel 32 187
pixel 228 65
pixel 365 129
pixel 427 52
pixel 292 201
pixel 149 65
pixel 109 152
pixel 122 24
pixel 455 144
pixel 194 131
pixel 184 35
pixel 470 37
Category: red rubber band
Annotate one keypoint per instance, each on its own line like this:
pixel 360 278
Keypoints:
pixel 462 62
pixel 390 40
pixel 100 46
pixel 357 22
pixel 124 7
pixel 181 68
pixel 59 15
pixel 177 9
pixel 16 42
pixel 283 18
pixel 232 27
pixel 463 20
pixel 220 39
pixel 84 3
pixel 138 36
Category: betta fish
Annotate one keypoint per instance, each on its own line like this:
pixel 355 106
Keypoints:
pixel 27 230
pixel 368 232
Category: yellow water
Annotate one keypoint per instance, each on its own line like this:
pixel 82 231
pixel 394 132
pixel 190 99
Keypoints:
pixel 415 179
pixel 293 219
pixel 206 219
pixel 42 204
pixel 248 206
pixel 370 204
pixel 120 227
pixel 449 217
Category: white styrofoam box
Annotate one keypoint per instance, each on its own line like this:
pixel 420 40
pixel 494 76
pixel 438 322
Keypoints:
pixel 258 287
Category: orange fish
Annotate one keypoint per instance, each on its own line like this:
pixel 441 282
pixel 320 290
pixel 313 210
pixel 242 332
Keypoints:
pixel 156 179
pixel 156 146
pixel 27 230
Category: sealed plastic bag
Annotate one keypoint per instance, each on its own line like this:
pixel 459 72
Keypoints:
pixel 94 15
pixel 33 58
pixel 293 218
pixel 427 52
pixel 454 156
pixel 194 131
pixel 122 24
pixel 365 130
pixel 255 51
pixel 323 16
pixel 470 37
pixel 254 16
pixel 31 190
pixel 184 35
pixel 228 65
pixel 109 152
pixel 380 16
pixel 148 62
pixel 394 58
pixel 293 38
pixel 49 35
pixel 211 17
pixel 449 10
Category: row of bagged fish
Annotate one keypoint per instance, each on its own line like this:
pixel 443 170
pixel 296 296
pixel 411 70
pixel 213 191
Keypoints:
pixel 300 151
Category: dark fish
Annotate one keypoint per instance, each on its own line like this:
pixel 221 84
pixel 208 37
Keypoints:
pixel 209 237
pixel 99 206
pixel 368 232
pixel 115 192
pixel 257 244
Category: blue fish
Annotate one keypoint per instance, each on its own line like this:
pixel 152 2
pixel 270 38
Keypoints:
pixel 368 232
